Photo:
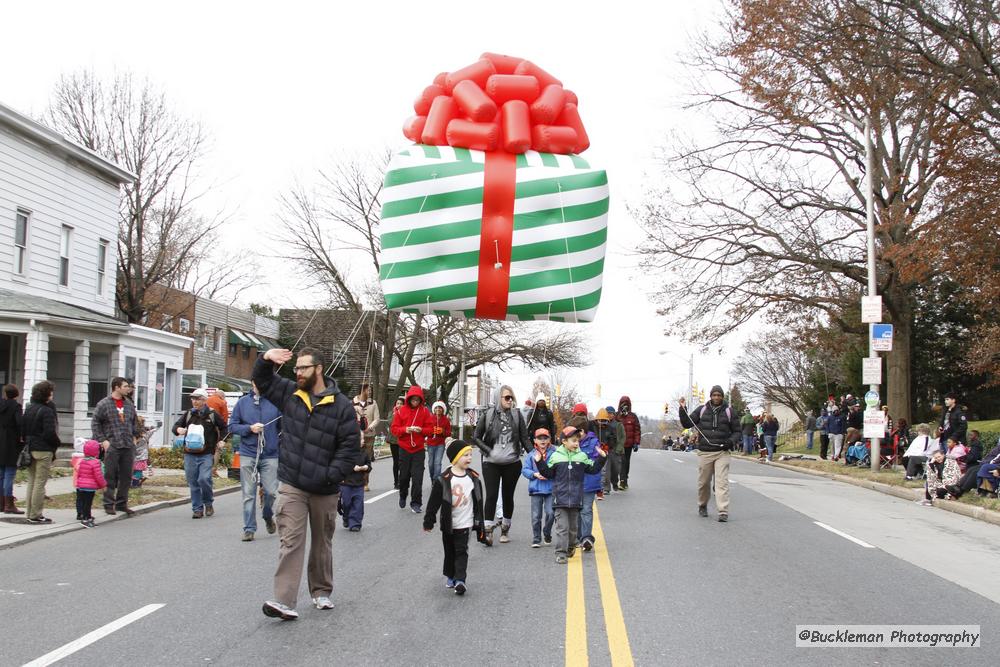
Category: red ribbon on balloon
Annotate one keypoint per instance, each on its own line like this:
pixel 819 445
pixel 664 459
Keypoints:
pixel 498 103
pixel 503 106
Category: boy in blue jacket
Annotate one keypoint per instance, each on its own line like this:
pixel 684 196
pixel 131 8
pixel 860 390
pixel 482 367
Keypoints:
pixel 540 490
pixel 566 468
pixel 592 483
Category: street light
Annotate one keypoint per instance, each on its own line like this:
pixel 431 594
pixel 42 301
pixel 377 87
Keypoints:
pixel 690 383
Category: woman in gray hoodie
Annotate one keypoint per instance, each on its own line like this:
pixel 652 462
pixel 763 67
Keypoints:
pixel 502 435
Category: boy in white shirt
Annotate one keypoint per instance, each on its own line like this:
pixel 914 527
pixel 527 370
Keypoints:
pixel 458 494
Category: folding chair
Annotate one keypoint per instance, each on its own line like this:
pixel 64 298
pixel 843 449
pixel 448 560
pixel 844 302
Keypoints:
pixel 887 456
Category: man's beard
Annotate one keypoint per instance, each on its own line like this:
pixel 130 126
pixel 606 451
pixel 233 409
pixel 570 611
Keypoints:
pixel 308 383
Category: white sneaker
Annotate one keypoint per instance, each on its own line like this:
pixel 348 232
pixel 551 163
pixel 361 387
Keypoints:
pixel 323 602
pixel 275 609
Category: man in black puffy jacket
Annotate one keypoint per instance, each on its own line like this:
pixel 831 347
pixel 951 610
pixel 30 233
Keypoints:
pixel 320 444
pixel 718 430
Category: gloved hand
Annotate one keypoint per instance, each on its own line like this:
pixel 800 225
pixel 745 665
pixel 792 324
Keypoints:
pixel 635 448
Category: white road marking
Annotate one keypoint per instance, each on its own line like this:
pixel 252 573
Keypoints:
pixel 380 496
pixel 91 637
pixel 679 461
pixel 844 535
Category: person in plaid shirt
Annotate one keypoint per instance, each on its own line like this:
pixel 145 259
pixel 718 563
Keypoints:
pixel 115 426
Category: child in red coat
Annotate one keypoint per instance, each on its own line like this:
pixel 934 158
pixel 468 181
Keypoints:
pixel 89 480
pixel 434 444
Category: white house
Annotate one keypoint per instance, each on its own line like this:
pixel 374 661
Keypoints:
pixel 59 206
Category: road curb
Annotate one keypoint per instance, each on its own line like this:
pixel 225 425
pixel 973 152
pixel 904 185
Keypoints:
pixel 139 509
pixel 980 513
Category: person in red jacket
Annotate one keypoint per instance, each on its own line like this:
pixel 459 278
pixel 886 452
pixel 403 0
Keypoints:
pixel 89 480
pixel 633 436
pixel 412 424
pixel 440 430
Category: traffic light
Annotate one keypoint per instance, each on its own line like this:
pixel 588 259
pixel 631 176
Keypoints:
pixel 666 408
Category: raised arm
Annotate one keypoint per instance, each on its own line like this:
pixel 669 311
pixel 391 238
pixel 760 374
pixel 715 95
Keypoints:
pixel 272 386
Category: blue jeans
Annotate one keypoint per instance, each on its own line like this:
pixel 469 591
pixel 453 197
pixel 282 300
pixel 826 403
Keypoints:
pixel 8 480
pixel 352 505
pixel 198 471
pixel 268 469
pixel 769 441
pixel 748 444
pixel 541 508
pixel 809 439
pixel 586 516
pixel 434 456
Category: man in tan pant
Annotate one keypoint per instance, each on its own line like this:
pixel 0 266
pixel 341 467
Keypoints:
pixel 714 464
pixel 293 509
pixel 718 430
pixel 320 446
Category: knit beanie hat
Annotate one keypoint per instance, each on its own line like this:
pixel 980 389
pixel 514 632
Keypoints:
pixel 717 389
pixel 439 404
pixel 580 408
pixel 602 414
pixel 457 449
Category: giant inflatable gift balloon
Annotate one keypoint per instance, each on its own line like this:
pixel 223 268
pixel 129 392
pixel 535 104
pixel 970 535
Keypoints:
pixel 491 213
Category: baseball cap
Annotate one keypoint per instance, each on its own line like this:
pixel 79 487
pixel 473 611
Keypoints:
pixel 542 431
pixel 200 392
pixel 570 431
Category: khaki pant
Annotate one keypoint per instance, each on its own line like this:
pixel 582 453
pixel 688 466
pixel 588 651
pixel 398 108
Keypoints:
pixel 717 464
pixel 292 510
pixel 38 475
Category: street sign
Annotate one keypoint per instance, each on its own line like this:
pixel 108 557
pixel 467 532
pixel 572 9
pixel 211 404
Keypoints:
pixel 881 337
pixel 871 309
pixel 871 370
pixel 872 399
pixel 874 424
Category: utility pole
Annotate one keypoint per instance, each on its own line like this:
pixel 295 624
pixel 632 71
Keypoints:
pixel 691 381
pixel 872 277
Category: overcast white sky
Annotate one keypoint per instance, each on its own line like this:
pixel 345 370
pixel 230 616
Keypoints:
pixel 282 88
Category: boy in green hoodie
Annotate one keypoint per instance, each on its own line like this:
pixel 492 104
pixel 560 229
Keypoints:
pixel 566 468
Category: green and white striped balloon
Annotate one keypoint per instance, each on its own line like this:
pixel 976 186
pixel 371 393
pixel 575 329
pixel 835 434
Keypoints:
pixel 431 222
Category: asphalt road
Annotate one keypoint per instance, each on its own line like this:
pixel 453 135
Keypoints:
pixel 667 587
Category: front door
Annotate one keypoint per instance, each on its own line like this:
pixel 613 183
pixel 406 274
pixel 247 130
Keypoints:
pixel 171 403
pixel 190 380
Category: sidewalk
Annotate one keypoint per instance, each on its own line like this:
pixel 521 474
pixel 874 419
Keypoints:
pixel 14 529
pixel 915 495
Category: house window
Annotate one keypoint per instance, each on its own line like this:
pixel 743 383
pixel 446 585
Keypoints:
pixel 218 340
pixel 167 323
pixel 184 326
pixel 202 336
pixel 233 349
pixel 130 369
pixel 141 395
pixel 246 351
pixel 65 241
pixel 100 365
pixel 161 372
pixel 21 242
pixel 102 266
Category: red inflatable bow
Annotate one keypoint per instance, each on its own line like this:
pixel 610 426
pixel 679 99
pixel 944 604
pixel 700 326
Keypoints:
pixel 498 102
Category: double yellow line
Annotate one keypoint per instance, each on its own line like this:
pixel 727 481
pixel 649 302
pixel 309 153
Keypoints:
pixel 576 610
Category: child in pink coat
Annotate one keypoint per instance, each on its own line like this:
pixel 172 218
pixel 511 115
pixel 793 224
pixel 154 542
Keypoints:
pixel 89 480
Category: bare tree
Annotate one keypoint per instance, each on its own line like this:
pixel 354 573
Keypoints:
pixel 771 214
pixel 161 238
pixel 772 368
